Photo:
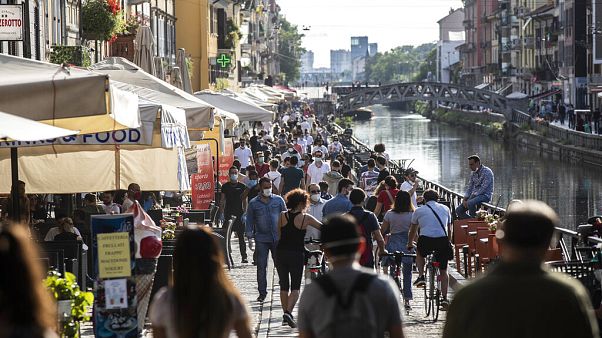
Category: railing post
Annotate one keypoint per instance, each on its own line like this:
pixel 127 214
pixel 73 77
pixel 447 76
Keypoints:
pixel 466 259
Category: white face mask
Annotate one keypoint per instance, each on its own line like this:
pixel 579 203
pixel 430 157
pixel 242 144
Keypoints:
pixel 267 192
pixel 318 160
pixel 315 197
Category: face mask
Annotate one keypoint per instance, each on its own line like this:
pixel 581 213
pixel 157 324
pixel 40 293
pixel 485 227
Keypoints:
pixel 252 183
pixel 318 160
pixel 290 150
pixel 301 163
pixel 315 197
pixel 260 159
pixel 267 192
pixel 233 178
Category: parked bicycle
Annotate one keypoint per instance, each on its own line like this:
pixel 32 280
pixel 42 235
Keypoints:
pixel 395 271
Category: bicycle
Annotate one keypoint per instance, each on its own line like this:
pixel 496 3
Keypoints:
pixel 396 274
pixel 432 289
pixel 318 266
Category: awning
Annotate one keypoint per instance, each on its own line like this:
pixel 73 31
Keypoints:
pixel 65 97
pixel 199 114
pixel 22 129
pixel 244 110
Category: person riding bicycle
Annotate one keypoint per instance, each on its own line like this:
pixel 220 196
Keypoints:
pixel 433 219
pixel 398 221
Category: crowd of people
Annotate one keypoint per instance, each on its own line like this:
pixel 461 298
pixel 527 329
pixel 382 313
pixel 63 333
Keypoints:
pixel 292 182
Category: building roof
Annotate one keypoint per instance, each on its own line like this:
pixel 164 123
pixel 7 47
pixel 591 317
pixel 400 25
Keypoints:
pixel 452 11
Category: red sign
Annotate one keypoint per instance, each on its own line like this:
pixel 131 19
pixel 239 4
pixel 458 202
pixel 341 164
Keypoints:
pixel 226 160
pixel 203 184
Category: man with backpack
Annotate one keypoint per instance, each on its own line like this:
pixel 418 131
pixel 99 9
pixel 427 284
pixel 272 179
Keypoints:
pixel 348 301
pixel 368 225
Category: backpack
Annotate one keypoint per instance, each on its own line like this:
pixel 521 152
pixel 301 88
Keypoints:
pixel 352 316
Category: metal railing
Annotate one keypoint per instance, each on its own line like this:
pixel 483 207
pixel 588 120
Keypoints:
pixel 576 246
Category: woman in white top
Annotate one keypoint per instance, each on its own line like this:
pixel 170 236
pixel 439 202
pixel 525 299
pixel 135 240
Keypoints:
pixel 398 221
pixel 65 231
pixel 202 302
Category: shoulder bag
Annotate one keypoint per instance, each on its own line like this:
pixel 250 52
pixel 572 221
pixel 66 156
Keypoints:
pixel 450 249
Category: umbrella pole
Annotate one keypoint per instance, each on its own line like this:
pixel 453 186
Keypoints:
pixel 117 168
pixel 14 166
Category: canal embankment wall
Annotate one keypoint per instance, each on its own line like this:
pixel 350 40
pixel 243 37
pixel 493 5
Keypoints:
pixel 546 141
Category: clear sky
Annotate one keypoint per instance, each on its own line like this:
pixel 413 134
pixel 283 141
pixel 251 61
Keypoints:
pixel 390 23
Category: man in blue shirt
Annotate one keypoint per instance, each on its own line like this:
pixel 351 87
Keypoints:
pixel 263 213
pixel 480 188
pixel 339 204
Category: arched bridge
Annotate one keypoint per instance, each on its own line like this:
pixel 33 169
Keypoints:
pixel 425 91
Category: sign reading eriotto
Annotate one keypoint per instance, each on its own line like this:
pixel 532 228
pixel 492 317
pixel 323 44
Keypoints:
pixel 11 22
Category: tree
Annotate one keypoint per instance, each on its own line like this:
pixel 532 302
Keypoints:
pixel 400 64
pixel 290 50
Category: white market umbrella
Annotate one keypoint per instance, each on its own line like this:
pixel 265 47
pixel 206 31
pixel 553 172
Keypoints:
pixel 143 49
pixel 21 129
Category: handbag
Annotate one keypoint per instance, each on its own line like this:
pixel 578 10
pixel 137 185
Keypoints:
pixel 450 249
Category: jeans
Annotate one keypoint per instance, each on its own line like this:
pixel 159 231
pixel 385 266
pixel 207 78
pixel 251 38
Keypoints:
pixel 473 203
pixel 239 229
pixel 262 249
pixel 399 242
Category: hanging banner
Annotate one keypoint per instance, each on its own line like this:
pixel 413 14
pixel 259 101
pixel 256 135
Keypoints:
pixel 203 184
pixel 143 135
pixel 225 161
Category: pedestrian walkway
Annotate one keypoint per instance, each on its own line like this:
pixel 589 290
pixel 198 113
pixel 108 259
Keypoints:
pixel 267 317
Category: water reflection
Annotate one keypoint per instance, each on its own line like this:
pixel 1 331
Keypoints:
pixel 440 153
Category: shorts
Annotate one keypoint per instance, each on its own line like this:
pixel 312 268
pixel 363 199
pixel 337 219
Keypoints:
pixel 289 265
pixel 440 245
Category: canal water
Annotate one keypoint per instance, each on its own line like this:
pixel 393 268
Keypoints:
pixel 440 152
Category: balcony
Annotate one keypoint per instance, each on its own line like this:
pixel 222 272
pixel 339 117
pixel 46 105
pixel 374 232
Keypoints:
pixel 529 42
pixel 468 23
pixel 544 75
pixel 595 79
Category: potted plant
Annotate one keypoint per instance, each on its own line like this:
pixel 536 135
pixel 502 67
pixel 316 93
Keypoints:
pixel 102 20
pixel 73 303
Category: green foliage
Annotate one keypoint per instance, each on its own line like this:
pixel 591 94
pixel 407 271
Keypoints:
pixel 67 289
pixel 344 121
pixel 233 35
pixel 429 65
pixel 399 64
pixel 221 84
pixel 74 55
pixel 290 50
pixel 98 22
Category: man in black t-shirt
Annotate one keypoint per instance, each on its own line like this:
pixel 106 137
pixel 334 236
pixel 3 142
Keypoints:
pixel 292 177
pixel 231 204
pixel 383 171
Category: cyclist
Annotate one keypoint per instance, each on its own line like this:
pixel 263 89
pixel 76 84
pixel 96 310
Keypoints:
pixel 433 219
pixel 398 221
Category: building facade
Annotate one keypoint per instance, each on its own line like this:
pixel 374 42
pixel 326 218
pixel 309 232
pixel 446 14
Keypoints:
pixel 451 36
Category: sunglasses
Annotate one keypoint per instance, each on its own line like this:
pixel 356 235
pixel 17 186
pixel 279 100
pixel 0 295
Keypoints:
pixel 314 192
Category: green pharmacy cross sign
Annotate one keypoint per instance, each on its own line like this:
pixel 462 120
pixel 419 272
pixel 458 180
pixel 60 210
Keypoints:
pixel 224 61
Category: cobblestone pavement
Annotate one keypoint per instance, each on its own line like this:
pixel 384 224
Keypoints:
pixel 266 318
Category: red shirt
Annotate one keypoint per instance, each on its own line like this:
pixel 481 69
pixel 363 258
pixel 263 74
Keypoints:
pixel 262 169
pixel 387 202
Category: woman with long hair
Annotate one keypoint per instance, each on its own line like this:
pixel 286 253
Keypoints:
pixel 290 251
pixel 398 221
pixel 202 302
pixel 386 197
pixel 26 307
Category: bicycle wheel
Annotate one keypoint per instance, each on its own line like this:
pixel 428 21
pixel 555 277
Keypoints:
pixel 426 288
pixel 437 293
pixel 432 290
